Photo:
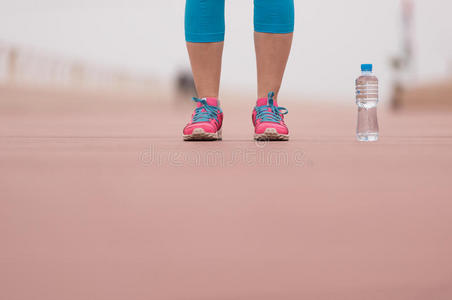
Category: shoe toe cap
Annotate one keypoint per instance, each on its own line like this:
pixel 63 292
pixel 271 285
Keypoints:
pixel 207 127
pixel 280 128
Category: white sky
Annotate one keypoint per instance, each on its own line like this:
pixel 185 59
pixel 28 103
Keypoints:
pixel 332 38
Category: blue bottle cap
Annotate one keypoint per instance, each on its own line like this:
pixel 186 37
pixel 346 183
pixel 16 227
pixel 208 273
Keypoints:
pixel 366 67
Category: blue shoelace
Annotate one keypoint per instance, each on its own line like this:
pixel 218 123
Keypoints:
pixel 205 112
pixel 270 112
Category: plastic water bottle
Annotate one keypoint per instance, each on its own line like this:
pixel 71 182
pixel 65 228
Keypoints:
pixel 367 100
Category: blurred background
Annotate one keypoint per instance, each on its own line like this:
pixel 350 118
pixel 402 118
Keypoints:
pixel 138 45
pixel 101 199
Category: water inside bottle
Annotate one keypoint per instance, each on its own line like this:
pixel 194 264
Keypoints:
pixel 367 99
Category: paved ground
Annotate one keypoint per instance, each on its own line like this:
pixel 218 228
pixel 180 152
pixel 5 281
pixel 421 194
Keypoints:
pixel 100 199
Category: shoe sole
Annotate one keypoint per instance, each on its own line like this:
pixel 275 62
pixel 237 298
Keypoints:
pixel 200 134
pixel 270 134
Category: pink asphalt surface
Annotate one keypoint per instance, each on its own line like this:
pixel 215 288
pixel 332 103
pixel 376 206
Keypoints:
pixel 101 199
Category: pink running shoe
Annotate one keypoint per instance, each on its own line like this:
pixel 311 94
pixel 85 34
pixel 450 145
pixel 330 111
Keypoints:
pixel 206 121
pixel 268 120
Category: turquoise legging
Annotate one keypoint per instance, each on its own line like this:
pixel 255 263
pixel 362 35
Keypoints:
pixel 204 19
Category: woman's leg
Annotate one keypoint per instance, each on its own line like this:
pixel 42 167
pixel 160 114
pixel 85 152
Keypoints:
pixel 204 33
pixel 205 60
pixel 273 26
